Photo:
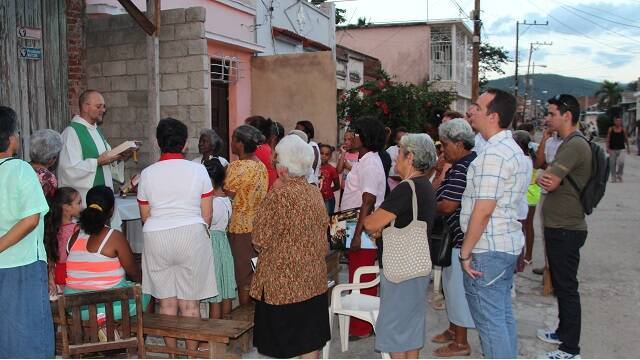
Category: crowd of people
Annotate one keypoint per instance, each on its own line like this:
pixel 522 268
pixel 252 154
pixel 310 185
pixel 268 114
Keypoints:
pixel 255 227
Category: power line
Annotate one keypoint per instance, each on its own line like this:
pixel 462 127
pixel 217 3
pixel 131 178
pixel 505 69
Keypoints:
pixel 608 12
pixel 601 18
pixel 578 32
pixel 598 25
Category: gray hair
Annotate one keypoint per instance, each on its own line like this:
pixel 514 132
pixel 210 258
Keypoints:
pixel 422 148
pixel 44 146
pixel 216 141
pixel 458 130
pixel 249 136
pixel 295 155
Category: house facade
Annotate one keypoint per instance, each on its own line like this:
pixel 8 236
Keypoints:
pixel 434 52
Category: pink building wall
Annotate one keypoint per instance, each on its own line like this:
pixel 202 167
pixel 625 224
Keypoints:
pixel 403 50
pixel 240 91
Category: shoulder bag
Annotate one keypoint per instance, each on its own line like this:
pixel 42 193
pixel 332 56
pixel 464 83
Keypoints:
pixel 406 252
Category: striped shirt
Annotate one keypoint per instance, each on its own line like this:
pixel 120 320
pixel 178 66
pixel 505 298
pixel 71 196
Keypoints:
pixel 92 271
pixel 451 189
pixel 499 173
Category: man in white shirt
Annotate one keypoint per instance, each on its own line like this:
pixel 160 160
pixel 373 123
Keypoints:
pixel 84 159
pixel 497 182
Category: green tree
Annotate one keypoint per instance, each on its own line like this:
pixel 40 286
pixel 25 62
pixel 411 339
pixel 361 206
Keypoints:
pixel 340 18
pixel 492 58
pixel 395 104
pixel 609 95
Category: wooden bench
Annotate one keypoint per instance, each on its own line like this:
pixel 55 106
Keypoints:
pixel 218 333
pixel 243 343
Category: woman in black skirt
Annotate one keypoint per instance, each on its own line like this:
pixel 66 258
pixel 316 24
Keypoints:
pixel 290 283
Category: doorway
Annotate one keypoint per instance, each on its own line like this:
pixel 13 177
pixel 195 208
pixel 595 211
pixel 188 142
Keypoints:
pixel 220 102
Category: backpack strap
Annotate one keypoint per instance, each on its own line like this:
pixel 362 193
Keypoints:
pixel 573 183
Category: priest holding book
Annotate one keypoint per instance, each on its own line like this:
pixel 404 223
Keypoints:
pixel 86 160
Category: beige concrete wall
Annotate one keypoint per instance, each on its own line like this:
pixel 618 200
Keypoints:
pixel 403 50
pixel 289 88
pixel 117 67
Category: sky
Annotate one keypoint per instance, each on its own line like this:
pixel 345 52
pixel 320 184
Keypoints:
pixel 597 40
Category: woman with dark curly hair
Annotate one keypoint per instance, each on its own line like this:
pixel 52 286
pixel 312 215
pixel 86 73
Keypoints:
pixel 365 189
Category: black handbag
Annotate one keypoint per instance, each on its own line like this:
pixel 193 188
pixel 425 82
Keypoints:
pixel 441 243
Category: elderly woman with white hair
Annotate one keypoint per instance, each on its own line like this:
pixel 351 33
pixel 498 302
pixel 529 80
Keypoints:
pixel 290 283
pixel 401 325
pixel 457 139
pixel 210 144
pixel 44 148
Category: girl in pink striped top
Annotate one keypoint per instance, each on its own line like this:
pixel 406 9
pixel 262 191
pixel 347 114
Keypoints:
pixel 99 256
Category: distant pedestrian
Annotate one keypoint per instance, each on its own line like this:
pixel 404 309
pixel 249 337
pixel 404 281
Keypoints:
pixel 493 239
pixel 565 229
pixel 307 127
pixel 617 142
pixel 329 179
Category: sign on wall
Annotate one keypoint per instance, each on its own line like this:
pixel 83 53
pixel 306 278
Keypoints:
pixel 29 33
pixel 30 53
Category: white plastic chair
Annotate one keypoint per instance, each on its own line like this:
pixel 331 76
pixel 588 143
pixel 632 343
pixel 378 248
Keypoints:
pixel 356 304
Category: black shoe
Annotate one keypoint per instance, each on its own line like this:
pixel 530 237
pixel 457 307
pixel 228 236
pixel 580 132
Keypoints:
pixel 538 271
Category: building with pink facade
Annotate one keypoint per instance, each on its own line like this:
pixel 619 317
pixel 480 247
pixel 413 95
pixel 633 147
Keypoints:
pixel 434 52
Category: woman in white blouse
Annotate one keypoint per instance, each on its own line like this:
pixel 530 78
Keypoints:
pixel 175 198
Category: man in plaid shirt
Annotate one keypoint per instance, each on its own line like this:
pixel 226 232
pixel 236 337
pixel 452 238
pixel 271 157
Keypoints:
pixel 496 183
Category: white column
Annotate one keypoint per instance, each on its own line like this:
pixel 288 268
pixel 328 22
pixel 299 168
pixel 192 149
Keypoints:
pixel 454 46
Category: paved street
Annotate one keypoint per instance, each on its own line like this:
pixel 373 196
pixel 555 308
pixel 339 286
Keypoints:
pixel 609 285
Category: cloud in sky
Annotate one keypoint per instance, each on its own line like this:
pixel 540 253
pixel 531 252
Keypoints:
pixel 611 59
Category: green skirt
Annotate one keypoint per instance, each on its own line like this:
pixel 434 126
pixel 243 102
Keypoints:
pixel 223 262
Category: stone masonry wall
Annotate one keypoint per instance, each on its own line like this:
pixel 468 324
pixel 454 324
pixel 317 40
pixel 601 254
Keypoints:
pixel 117 67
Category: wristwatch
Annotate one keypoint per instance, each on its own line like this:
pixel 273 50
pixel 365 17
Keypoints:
pixel 463 259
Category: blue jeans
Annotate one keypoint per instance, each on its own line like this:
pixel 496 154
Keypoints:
pixel 489 299
pixel 26 325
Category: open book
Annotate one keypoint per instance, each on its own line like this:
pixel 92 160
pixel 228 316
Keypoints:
pixel 125 146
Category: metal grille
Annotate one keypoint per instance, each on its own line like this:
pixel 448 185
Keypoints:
pixel 225 69
pixel 441 68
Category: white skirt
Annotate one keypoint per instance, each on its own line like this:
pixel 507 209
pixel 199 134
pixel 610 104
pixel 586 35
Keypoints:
pixel 179 263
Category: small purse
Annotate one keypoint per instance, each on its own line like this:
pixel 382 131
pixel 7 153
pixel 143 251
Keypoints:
pixel 406 252
pixel 441 245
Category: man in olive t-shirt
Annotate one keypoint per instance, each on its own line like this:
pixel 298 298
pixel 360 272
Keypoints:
pixel 565 228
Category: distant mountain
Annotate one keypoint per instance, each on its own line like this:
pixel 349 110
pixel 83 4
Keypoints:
pixel 552 83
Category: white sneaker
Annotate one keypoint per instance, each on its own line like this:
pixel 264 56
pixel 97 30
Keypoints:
pixel 548 336
pixel 559 354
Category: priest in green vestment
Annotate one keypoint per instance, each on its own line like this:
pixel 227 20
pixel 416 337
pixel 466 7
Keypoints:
pixel 83 161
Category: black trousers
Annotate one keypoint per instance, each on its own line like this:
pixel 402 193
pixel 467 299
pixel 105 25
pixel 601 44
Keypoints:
pixel 563 254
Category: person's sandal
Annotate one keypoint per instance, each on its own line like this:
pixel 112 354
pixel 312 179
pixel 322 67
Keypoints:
pixel 446 336
pixel 452 349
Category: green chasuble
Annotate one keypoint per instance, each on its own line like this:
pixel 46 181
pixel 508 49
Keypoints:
pixel 89 149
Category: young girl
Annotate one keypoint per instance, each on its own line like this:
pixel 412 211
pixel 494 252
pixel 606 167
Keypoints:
pixel 220 305
pixel 66 205
pixel 329 180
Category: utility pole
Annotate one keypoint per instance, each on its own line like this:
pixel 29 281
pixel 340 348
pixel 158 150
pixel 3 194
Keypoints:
pixel 475 64
pixel 527 80
pixel 534 105
pixel 535 23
